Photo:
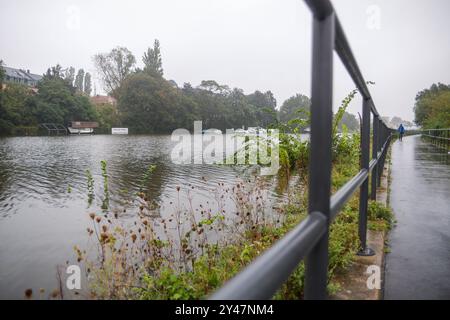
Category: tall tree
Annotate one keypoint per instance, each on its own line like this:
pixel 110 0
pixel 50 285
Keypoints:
pixel 213 87
pixel 2 74
pixel 114 67
pixel 13 108
pixel 349 121
pixel 54 72
pixel 263 100
pixel 295 107
pixel 79 80
pixel 150 104
pixel 69 75
pixel 87 84
pixel 266 106
pixel 432 107
pixel 152 59
pixel 57 102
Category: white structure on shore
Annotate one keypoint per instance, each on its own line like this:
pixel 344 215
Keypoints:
pixel 119 130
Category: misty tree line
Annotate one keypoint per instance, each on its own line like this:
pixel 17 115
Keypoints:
pixel 146 101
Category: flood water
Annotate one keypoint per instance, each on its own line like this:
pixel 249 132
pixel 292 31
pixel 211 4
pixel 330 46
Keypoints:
pixel 44 210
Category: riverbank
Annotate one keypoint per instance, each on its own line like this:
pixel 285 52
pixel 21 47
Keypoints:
pixel 191 266
pixel 353 282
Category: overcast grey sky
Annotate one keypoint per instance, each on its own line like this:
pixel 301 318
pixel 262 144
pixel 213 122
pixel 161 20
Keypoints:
pixel 402 45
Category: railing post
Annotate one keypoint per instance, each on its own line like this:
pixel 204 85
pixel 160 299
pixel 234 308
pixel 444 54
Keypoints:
pixel 380 146
pixel 364 189
pixel 387 135
pixel 381 164
pixel 374 175
pixel 448 141
pixel 320 151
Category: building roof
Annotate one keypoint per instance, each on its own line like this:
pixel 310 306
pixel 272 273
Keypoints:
pixel 21 74
pixel 83 124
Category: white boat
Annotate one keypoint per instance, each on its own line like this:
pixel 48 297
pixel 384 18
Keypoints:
pixel 82 127
pixel 80 131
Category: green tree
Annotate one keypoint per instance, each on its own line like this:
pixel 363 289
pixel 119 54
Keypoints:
pixel 149 104
pixel 87 84
pixel 265 104
pixel 55 72
pixel 349 121
pixel 114 67
pixel 107 116
pixel 152 59
pixel 295 107
pixel 213 87
pixel 69 75
pixel 57 102
pixel 15 111
pixel 2 74
pixel 79 81
pixel 432 107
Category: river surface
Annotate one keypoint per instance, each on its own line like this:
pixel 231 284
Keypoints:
pixel 44 208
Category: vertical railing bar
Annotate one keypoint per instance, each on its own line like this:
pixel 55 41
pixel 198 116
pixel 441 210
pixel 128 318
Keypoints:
pixel 381 164
pixel 381 142
pixel 316 263
pixel 364 189
pixel 374 174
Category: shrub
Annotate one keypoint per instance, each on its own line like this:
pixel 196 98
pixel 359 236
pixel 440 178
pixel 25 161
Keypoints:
pixel 377 211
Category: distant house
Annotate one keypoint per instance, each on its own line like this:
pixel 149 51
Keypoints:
pixel 103 100
pixel 13 75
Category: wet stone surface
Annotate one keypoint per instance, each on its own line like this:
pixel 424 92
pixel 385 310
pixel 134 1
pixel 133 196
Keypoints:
pixel 418 266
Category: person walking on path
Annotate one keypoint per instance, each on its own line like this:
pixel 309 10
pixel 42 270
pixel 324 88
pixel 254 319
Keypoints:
pixel 401 131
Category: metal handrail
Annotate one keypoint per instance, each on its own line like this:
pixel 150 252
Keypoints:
pixel 435 137
pixel 439 137
pixel 266 274
pixel 444 129
pixel 260 281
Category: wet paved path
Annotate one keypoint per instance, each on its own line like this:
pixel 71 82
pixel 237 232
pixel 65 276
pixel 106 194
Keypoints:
pixel 418 266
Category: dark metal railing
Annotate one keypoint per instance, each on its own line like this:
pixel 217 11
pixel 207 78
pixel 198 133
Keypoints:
pixel 266 274
pixel 438 137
